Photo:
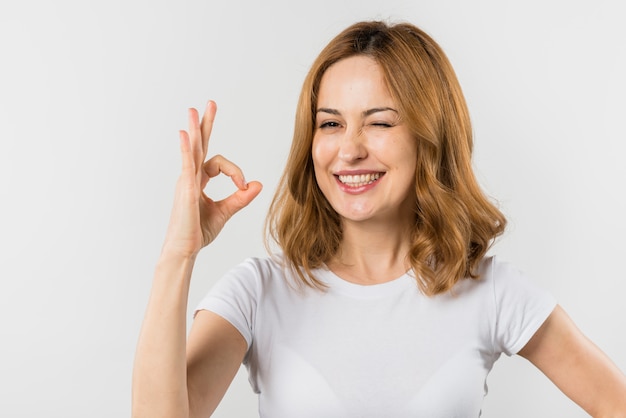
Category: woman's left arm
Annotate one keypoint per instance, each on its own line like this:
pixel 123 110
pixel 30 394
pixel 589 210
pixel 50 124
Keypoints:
pixel 577 367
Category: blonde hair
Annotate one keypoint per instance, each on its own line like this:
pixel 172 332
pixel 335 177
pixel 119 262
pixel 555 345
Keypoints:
pixel 455 224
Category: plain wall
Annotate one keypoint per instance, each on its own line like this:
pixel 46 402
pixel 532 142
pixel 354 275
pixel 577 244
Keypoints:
pixel 93 93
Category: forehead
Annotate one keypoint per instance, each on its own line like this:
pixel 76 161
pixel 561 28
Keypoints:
pixel 354 81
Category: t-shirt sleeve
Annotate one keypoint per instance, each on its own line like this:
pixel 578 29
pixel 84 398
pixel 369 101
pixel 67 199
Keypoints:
pixel 521 307
pixel 234 297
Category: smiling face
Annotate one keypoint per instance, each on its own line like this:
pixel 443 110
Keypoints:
pixel 363 154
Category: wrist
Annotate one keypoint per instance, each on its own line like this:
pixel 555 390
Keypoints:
pixel 173 264
pixel 172 253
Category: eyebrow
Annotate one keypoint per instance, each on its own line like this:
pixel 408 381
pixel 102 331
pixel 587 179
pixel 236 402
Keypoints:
pixel 365 113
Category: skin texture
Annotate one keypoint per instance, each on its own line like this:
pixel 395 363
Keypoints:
pixel 179 377
pixel 577 366
pixel 359 131
pixel 173 378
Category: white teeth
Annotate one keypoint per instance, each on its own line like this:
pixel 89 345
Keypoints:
pixel 359 179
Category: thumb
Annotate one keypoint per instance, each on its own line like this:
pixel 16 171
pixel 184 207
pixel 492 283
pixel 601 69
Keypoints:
pixel 240 199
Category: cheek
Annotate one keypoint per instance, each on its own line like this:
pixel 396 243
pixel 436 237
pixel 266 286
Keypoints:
pixel 410 156
pixel 407 154
pixel 317 157
pixel 321 152
pixel 405 161
pixel 397 155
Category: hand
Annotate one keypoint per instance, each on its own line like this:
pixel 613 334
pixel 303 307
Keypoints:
pixel 196 219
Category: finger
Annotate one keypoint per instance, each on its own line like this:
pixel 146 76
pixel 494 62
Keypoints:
pixel 219 164
pixel 185 151
pixel 195 137
pixel 240 199
pixel 187 182
pixel 206 126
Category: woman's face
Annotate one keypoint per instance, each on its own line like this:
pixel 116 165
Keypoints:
pixel 363 154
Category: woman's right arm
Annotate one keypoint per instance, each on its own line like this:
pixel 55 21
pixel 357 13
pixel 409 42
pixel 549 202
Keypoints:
pixel 171 379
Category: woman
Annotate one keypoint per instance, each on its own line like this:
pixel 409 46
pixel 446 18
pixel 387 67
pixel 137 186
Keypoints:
pixel 382 301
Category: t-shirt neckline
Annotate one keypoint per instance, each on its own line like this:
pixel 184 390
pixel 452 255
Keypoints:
pixel 338 285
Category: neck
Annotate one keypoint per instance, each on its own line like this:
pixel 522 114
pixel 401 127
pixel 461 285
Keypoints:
pixel 372 253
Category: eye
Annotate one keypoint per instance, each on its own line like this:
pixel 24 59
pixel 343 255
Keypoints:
pixel 382 124
pixel 329 125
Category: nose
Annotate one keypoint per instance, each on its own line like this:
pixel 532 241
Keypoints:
pixel 352 146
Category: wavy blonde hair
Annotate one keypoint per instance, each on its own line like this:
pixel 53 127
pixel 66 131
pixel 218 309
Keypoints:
pixel 455 223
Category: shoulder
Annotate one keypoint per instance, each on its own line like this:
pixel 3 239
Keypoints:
pixel 492 274
pixel 253 275
pixel 495 268
pixel 237 294
pixel 508 283
pixel 501 275
pixel 256 266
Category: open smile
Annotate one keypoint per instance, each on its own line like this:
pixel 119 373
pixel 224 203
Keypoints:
pixel 359 180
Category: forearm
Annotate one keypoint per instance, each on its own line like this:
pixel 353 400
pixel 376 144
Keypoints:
pixel 159 375
pixel 160 387
pixel 611 383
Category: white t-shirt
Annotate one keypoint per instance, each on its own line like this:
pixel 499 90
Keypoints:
pixel 382 350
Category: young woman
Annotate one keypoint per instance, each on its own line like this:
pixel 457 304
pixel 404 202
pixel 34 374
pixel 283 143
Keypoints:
pixel 382 301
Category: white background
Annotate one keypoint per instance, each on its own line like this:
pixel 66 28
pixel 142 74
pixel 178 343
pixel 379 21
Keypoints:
pixel 92 94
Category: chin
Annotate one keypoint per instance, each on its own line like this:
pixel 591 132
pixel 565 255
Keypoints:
pixel 359 216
